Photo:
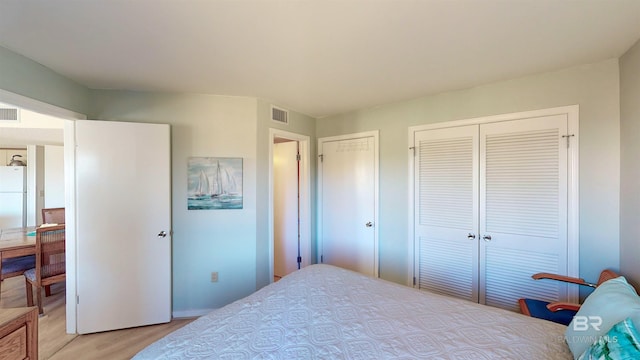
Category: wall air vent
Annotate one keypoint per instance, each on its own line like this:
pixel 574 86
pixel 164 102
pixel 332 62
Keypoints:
pixel 279 115
pixel 9 114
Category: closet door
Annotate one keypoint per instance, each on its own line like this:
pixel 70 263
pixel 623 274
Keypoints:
pixel 523 209
pixel 446 216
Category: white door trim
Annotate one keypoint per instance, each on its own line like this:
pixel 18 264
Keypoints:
pixel 305 196
pixel 69 189
pixel 573 226
pixel 375 135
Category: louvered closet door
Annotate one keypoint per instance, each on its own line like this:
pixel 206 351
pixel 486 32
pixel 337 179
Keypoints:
pixel 523 208
pixel 447 210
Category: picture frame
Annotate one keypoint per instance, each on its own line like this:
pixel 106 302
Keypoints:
pixel 214 183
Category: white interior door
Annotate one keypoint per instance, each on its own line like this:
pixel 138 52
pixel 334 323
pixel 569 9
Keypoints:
pixel 285 208
pixel 348 180
pixel 446 216
pixel 123 203
pixel 523 209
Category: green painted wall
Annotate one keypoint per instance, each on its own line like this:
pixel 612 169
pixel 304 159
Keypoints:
pixel 236 243
pixel 26 77
pixel 595 88
pixel 204 241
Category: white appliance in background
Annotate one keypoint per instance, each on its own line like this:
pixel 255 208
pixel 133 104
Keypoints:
pixel 13 196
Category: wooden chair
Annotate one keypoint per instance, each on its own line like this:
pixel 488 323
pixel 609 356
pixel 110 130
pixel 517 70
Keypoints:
pixel 560 312
pixel 50 262
pixel 53 216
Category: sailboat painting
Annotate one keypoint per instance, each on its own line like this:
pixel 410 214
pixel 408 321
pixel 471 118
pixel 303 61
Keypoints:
pixel 214 183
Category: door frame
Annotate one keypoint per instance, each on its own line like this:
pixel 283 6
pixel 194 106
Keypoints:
pixel 573 206
pixel 376 187
pixel 305 196
pixel 69 189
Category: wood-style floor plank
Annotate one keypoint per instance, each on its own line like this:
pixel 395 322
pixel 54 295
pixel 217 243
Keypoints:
pixel 55 344
pixel 120 344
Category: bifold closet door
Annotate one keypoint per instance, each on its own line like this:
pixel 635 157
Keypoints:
pixel 491 210
pixel 446 216
pixel 523 209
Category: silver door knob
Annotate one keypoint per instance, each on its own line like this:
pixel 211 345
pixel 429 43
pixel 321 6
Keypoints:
pixel 486 238
pixel 162 234
pixel 471 236
pixel 369 224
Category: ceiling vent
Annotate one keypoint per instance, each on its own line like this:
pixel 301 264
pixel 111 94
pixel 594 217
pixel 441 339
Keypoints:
pixel 279 115
pixel 9 114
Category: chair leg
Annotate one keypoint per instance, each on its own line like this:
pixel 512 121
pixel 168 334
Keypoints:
pixel 47 290
pixel 29 290
pixel 39 292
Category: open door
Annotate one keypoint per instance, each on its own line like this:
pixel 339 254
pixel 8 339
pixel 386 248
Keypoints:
pixel 289 200
pixel 286 208
pixel 123 236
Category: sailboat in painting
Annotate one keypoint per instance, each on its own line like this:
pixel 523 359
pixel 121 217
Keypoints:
pixel 213 184
pixel 224 185
pixel 203 190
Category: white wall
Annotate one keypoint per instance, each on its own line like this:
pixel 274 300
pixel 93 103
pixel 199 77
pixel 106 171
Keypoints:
pixel 595 88
pixel 53 176
pixel 630 164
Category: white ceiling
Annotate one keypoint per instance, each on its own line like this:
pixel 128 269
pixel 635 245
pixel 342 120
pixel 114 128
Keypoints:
pixel 318 57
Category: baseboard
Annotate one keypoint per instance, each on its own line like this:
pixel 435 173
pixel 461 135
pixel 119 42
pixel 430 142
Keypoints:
pixel 186 314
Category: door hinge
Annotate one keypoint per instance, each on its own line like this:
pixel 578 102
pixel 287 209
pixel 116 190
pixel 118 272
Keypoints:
pixel 298 157
pixel 321 258
pixel 299 259
pixel 77 299
pixel 569 136
pixel 413 148
pixel 414 281
pixel 321 156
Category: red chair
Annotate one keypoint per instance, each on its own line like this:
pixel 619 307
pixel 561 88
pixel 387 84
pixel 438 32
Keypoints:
pixel 560 312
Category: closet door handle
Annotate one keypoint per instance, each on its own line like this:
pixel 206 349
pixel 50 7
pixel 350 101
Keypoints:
pixel 471 236
pixel 486 238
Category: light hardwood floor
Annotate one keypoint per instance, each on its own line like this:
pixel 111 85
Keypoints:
pixel 55 344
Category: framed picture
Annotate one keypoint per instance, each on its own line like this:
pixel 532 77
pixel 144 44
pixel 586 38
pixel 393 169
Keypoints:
pixel 214 183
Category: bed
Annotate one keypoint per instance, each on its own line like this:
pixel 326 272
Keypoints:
pixel 325 312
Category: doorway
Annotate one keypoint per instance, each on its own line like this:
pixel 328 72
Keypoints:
pixel 41 134
pixel 289 191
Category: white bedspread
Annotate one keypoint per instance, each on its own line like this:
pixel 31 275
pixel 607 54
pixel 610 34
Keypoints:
pixel 324 312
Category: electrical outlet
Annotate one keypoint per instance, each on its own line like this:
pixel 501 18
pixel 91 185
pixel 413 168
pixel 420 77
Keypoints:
pixel 214 276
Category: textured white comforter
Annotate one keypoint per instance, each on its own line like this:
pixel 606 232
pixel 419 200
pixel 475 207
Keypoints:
pixel 324 312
